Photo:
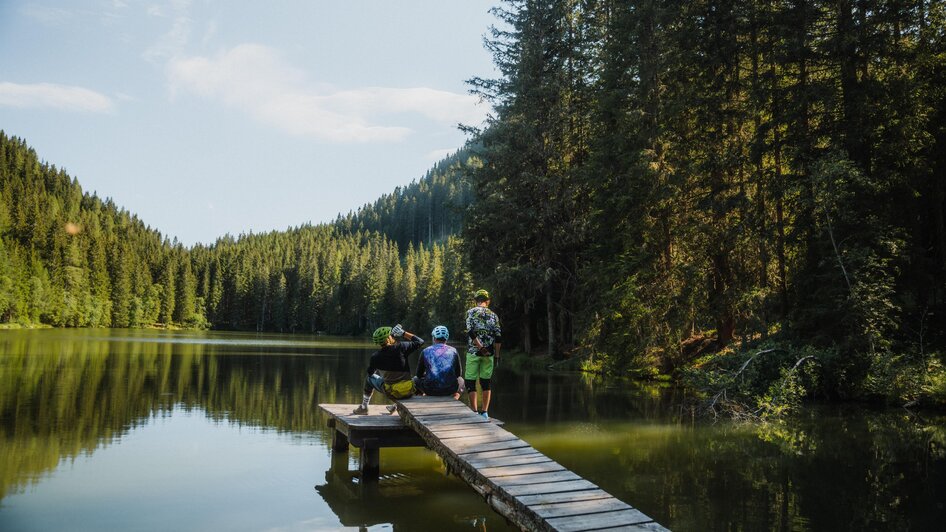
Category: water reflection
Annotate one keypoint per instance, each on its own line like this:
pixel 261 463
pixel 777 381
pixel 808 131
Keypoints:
pixel 64 393
pixel 835 469
pixel 67 395
pixel 411 496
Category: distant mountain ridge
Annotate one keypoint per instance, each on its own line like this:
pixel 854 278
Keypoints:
pixel 426 211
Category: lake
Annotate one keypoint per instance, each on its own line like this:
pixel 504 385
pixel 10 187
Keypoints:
pixel 184 430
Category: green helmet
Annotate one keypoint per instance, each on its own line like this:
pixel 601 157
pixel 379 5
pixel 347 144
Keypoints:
pixel 481 295
pixel 380 335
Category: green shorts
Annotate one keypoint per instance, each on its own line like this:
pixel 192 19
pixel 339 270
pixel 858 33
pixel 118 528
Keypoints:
pixel 478 367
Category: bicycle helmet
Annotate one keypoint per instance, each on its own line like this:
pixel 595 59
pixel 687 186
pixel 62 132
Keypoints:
pixel 380 335
pixel 440 333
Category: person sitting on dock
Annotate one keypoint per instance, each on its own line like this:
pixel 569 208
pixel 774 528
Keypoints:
pixel 484 342
pixel 388 369
pixel 438 370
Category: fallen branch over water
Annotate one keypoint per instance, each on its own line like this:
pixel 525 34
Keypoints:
pixel 754 398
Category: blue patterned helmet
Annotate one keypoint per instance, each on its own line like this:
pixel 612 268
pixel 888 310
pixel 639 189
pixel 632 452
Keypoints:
pixel 440 333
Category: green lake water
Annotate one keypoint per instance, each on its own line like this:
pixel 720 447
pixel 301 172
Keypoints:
pixel 153 430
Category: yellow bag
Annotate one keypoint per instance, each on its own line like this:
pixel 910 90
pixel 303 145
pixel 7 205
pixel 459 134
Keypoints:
pixel 399 390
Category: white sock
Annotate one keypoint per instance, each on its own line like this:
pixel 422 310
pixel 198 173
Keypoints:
pixel 365 400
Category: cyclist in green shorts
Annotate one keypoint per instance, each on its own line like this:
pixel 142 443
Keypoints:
pixel 483 345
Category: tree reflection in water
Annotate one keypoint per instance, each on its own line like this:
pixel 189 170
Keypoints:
pixel 68 393
pixel 63 393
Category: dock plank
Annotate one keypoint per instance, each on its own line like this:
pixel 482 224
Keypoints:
pixel 377 415
pixel 460 448
pixel 598 521
pixel 441 417
pixel 457 421
pixel 471 443
pixel 586 507
pixel 485 455
pixel 504 461
pixel 536 478
pixel 474 432
pixel 643 527
pixel 521 469
pixel 551 487
pixel 568 496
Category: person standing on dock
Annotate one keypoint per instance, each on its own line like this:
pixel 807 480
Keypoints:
pixel 483 344
pixel 439 371
pixel 388 369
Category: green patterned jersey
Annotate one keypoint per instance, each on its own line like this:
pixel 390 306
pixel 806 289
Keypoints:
pixel 482 323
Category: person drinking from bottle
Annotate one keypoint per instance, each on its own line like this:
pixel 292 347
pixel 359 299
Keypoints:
pixel 388 370
pixel 483 344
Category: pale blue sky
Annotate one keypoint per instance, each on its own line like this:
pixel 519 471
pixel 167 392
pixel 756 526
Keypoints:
pixel 206 117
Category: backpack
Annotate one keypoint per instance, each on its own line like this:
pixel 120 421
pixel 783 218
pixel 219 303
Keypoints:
pixel 399 389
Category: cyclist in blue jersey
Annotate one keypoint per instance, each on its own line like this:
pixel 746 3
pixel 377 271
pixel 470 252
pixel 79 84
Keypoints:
pixel 438 370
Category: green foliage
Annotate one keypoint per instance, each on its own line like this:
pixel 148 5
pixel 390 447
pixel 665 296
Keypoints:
pixel 933 387
pixel 321 279
pixel 66 257
pixel 744 169
pixel 768 383
pixel 907 379
pixel 520 362
pixel 529 212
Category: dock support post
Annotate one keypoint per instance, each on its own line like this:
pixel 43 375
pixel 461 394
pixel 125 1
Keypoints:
pixel 369 461
pixel 339 440
pixel 339 464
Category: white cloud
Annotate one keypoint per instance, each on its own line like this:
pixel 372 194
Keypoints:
pixel 51 95
pixel 173 42
pixel 256 80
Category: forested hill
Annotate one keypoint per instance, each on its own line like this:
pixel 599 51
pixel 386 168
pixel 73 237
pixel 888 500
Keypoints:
pixel 426 211
pixel 70 259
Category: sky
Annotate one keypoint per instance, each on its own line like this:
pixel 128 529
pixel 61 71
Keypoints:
pixel 214 117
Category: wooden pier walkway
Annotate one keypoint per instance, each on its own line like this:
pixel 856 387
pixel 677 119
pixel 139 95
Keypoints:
pixel 528 488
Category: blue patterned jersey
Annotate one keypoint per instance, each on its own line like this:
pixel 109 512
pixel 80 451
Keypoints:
pixel 439 367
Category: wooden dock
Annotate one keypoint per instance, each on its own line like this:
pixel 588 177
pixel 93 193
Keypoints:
pixel 369 433
pixel 528 488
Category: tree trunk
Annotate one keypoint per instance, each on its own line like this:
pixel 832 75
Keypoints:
pixel 939 227
pixel 550 314
pixel 719 301
pixel 527 332
pixel 779 186
pixel 852 121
